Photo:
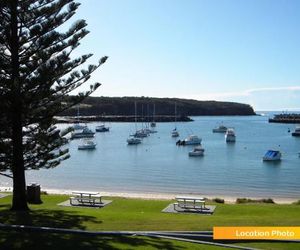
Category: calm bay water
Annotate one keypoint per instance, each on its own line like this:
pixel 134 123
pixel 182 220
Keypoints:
pixel 159 166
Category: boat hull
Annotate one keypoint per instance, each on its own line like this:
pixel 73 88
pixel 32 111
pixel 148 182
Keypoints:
pixel 102 129
pixel 195 154
pixel 80 135
pixel 230 138
pixel 295 134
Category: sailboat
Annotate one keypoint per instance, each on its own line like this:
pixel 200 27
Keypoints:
pixel 174 131
pixel 77 125
pixel 153 124
pixel 133 139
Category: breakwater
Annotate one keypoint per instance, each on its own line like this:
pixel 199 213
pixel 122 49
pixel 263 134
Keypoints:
pixel 84 119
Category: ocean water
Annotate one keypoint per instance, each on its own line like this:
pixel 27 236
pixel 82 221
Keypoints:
pixel 159 166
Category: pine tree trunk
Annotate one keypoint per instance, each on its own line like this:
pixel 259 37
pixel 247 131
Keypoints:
pixel 19 185
pixel 19 202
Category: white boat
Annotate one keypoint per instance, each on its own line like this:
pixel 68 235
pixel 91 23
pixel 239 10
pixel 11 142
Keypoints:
pixel 149 131
pixel 84 133
pixel 272 155
pixel 142 133
pixel 87 145
pixel 197 151
pixel 230 135
pixel 78 126
pixel 220 129
pixel 297 131
pixel 134 141
pixel 102 128
pixel 192 140
pixel 153 124
pixel 174 133
pixel 136 137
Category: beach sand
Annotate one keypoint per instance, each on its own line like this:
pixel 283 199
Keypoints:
pixel 158 196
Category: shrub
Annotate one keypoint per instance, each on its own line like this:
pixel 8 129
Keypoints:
pixel 246 200
pixel 218 200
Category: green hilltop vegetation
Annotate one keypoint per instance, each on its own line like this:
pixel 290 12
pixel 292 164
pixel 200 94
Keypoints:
pixel 124 106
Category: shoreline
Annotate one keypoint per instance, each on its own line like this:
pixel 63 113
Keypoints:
pixel 159 196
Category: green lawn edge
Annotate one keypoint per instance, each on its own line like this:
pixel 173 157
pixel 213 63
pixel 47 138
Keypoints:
pixel 129 214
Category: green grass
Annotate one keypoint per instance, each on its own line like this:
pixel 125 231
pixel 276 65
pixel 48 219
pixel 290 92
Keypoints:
pixel 137 214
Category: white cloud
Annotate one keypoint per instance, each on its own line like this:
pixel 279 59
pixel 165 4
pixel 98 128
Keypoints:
pixel 268 98
pixel 242 94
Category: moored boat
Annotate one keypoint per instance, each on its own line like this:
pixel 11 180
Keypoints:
pixel 134 141
pixel 102 128
pixel 197 151
pixel 190 140
pixel 272 155
pixel 230 135
pixel 220 129
pixel 84 133
pixel 296 132
pixel 78 126
pixel 174 133
pixel 87 145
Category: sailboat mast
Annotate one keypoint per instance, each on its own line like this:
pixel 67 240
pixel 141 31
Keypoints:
pixel 175 114
pixel 135 120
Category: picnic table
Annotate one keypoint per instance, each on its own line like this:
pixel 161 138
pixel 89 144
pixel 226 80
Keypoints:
pixel 189 202
pixel 86 198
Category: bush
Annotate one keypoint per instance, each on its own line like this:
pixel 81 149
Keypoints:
pixel 218 200
pixel 246 200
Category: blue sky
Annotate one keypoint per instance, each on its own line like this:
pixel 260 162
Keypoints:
pixel 246 51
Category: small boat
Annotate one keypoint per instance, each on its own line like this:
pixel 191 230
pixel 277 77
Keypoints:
pixel 78 126
pixel 230 135
pixel 87 145
pixel 142 133
pixel 191 140
pixel 135 138
pixel 134 141
pixel 102 128
pixel 148 131
pixel 297 131
pixel 84 133
pixel 220 129
pixel 174 133
pixel 153 124
pixel 272 155
pixel 197 151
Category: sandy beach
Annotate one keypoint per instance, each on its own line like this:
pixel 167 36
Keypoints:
pixel 158 196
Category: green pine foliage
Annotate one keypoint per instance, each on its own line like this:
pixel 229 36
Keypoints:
pixel 37 70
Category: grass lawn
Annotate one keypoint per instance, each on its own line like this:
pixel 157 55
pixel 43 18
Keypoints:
pixel 138 215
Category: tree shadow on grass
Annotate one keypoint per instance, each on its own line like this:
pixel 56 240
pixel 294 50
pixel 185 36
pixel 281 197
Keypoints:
pixel 36 239
pixel 47 218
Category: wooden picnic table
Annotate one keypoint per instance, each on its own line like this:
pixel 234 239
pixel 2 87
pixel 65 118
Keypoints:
pixel 190 202
pixel 86 198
